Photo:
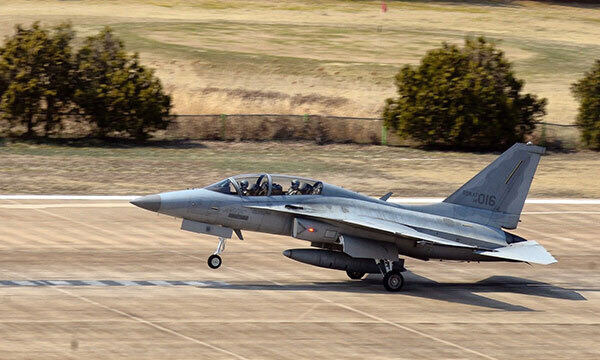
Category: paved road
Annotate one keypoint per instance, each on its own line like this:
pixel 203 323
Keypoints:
pixel 102 279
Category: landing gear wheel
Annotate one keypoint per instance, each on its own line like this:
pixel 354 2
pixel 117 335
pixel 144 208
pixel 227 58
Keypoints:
pixel 393 281
pixel 214 261
pixel 355 275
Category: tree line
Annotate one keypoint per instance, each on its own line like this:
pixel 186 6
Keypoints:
pixel 457 97
pixel 43 80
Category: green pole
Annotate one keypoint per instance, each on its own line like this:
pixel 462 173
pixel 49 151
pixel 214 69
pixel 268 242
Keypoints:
pixel 305 117
pixel 384 135
pixel 223 126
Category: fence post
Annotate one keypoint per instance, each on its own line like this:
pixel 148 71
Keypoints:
pixel 223 126
pixel 384 131
pixel 543 136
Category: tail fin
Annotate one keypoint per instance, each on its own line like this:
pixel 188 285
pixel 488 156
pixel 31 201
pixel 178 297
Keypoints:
pixel 501 188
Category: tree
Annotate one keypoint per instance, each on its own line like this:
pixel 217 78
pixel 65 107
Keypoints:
pixel 587 92
pixel 116 91
pixel 463 97
pixel 36 69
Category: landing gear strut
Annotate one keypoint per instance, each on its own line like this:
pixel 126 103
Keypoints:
pixel 215 261
pixel 392 278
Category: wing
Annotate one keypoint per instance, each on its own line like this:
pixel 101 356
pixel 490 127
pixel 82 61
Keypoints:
pixel 380 225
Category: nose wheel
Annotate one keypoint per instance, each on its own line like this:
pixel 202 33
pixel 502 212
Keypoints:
pixel 215 261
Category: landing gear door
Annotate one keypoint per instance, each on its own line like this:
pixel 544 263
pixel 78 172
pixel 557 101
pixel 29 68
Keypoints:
pixel 208 229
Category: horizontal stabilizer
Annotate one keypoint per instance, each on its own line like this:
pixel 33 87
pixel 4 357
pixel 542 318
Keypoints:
pixel 526 251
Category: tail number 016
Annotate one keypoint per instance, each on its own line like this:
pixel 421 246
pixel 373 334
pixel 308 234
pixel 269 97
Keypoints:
pixel 481 198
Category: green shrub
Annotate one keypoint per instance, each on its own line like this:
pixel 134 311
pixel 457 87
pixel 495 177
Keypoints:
pixel 36 71
pixel 116 91
pixel 463 98
pixel 587 92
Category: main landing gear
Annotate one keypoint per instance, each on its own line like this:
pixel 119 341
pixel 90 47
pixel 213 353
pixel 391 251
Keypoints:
pixel 392 277
pixel 215 261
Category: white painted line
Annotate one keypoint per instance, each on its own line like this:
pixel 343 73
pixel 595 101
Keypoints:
pixel 558 212
pixel 95 283
pixel 59 283
pixel 160 283
pixel 24 283
pixel 64 205
pixel 398 200
pixel 68 197
pixel 564 201
pixel 127 283
pixel 528 201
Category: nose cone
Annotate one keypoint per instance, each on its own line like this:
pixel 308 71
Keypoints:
pixel 287 253
pixel 150 202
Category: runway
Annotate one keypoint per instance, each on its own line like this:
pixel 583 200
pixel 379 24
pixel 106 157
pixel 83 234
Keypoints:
pixel 89 279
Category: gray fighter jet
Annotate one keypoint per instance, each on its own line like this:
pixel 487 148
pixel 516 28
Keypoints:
pixel 359 234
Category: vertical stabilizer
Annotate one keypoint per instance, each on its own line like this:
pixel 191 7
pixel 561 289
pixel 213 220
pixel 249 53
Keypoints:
pixel 502 186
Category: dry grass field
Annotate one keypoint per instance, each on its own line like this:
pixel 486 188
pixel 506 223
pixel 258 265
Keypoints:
pixel 330 57
pixel 374 170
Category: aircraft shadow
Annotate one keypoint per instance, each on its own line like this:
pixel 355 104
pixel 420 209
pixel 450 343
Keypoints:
pixel 422 287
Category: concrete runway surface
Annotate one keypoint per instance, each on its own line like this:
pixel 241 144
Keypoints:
pixel 105 280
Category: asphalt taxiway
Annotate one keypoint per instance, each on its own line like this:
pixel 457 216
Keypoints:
pixel 89 279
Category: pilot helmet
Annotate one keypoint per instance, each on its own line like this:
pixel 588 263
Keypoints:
pixel 295 183
pixel 244 184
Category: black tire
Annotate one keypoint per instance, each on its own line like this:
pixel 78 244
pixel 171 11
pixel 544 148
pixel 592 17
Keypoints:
pixel 214 261
pixel 355 275
pixel 393 281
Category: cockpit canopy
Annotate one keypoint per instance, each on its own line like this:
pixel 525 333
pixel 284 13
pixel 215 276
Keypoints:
pixel 267 185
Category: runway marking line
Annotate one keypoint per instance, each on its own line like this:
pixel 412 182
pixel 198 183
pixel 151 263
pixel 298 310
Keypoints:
pixel 141 320
pixel 363 313
pixel 67 205
pixel 558 212
pixel 109 283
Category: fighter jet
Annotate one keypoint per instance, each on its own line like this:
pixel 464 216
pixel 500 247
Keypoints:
pixel 360 234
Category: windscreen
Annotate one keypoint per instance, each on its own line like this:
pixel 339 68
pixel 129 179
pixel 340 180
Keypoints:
pixel 223 186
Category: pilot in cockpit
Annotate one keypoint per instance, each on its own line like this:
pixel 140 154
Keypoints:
pixel 295 188
pixel 244 187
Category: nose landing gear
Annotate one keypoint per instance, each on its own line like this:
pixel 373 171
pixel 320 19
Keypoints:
pixel 215 261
